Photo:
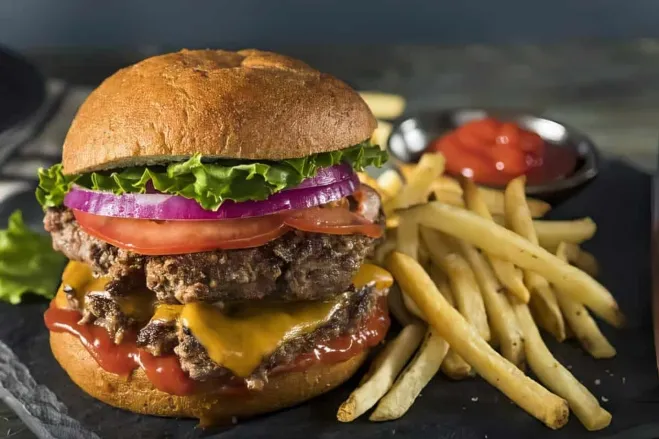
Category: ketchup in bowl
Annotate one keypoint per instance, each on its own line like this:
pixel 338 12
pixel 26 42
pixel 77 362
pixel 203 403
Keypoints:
pixel 493 152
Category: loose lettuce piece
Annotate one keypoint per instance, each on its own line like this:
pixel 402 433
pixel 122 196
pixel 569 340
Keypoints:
pixel 209 183
pixel 28 263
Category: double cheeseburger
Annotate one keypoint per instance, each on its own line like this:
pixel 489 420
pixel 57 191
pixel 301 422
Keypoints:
pixel 217 232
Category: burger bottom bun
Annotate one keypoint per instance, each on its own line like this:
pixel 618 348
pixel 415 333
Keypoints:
pixel 137 394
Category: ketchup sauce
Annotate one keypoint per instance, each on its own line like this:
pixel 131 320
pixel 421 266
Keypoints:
pixel 492 152
pixel 165 371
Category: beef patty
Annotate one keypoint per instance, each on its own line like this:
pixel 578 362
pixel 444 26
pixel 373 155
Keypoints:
pixel 354 307
pixel 165 337
pixel 295 266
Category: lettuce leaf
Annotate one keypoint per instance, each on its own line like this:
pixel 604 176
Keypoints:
pixel 209 183
pixel 28 263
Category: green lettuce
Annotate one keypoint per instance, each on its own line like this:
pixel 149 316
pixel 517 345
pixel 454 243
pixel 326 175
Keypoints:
pixel 209 183
pixel 28 263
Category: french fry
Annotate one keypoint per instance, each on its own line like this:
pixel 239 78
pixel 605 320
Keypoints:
pixel 462 337
pixel 384 105
pixel 413 379
pixel 557 378
pixel 384 369
pixel 507 245
pixel 418 187
pixel 463 284
pixel 491 197
pixel 543 301
pixel 546 311
pixel 387 246
pixel 381 133
pixel 408 243
pixel 584 326
pixel 552 233
pixel 580 258
pixel 398 308
pixel 390 183
pixel 507 273
pixel 454 366
pixel 502 318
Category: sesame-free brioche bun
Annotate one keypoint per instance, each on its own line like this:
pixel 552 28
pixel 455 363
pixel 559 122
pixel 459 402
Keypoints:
pixel 138 395
pixel 248 104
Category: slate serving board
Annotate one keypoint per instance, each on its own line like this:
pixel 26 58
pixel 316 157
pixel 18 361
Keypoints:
pixel 618 200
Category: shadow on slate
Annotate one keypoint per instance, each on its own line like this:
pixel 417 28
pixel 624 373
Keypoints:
pixel 619 200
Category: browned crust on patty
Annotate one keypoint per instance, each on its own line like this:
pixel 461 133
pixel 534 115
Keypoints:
pixel 138 395
pixel 248 104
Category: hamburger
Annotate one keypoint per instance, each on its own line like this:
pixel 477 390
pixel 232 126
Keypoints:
pixel 217 233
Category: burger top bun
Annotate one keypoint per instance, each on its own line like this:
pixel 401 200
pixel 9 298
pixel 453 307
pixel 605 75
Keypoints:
pixel 250 105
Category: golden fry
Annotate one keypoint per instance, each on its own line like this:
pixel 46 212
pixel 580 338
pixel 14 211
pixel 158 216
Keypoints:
pixel 463 284
pixel 384 370
pixel 408 242
pixel 507 273
pixel 384 105
pixel 580 258
pixel 552 233
pixel 507 245
pixel 390 183
pixel 454 366
pixel 413 379
pixel 543 301
pixel 462 337
pixel 583 325
pixel 558 378
pixel 418 187
pixel 397 307
pixel 502 318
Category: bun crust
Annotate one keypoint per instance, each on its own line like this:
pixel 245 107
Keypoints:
pixel 245 105
pixel 138 395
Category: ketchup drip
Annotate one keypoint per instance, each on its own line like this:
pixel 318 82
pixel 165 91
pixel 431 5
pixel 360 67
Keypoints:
pixel 165 371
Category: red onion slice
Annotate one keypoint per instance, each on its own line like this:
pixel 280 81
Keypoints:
pixel 174 207
pixel 326 176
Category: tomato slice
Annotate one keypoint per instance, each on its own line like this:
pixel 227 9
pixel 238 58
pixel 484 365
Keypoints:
pixel 148 237
pixel 333 221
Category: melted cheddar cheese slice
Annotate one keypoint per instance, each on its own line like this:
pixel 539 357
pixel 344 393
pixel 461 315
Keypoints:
pixel 237 336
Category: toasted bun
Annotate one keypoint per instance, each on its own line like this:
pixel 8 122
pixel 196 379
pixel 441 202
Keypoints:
pixel 137 394
pixel 245 105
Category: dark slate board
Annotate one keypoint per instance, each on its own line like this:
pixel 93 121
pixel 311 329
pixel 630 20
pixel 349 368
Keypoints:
pixel 619 200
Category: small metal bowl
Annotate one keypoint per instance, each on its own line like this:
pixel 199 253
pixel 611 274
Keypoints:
pixel 411 136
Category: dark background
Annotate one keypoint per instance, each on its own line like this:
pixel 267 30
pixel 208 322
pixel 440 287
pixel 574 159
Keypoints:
pixel 30 24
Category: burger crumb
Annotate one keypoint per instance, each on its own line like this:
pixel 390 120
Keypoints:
pixel 569 366
pixel 605 399
pixel 623 380
pixel 597 382
pixel 464 408
pixel 474 399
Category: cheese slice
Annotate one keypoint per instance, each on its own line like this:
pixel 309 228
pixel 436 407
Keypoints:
pixel 237 336
pixel 79 280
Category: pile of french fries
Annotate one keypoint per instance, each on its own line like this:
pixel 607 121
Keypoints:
pixel 476 276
